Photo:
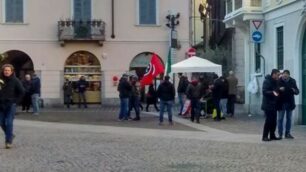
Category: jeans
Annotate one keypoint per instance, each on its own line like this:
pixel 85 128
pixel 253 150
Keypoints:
pixel 195 109
pixel 67 100
pixel 35 103
pixel 124 103
pixel 270 124
pixel 280 120
pixel 6 121
pixel 223 104
pixel 82 97
pixel 134 102
pixel 181 97
pixel 164 104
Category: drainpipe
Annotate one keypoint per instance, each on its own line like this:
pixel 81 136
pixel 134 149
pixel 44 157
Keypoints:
pixel 113 21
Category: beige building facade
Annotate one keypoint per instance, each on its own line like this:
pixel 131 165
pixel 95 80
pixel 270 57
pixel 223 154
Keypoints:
pixel 93 42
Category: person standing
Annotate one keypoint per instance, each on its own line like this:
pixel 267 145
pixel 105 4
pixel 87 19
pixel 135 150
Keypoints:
pixel 194 93
pixel 286 103
pixel 35 93
pixel 151 98
pixel 232 91
pixel 134 98
pixel 181 90
pixel 26 101
pixel 82 85
pixel 224 95
pixel 124 89
pixel 67 88
pixel 270 93
pixel 166 94
pixel 11 92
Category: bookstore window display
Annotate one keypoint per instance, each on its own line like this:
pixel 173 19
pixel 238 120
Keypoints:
pixel 85 64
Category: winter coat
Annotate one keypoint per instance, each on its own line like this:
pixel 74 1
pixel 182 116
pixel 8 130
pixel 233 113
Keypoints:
pixel 232 85
pixel 287 96
pixel 27 86
pixel 11 91
pixel 269 100
pixel 225 87
pixel 35 87
pixel 166 91
pixel 182 85
pixel 82 85
pixel 124 88
pixel 220 89
pixel 67 88
pixel 194 90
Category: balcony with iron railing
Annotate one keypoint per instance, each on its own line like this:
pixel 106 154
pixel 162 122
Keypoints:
pixel 71 30
pixel 243 10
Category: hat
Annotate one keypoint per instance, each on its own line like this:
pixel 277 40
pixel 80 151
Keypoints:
pixel 125 75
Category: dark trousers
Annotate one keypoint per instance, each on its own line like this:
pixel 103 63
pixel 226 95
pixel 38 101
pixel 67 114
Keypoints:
pixel 195 109
pixel 231 104
pixel 217 106
pixel 67 100
pixel 134 103
pixel 82 97
pixel 270 124
pixel 26 102
pixel 155 105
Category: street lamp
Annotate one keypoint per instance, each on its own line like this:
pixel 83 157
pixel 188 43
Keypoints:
pixel 204 10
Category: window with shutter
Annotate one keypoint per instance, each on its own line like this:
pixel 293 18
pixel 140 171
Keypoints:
pixel 14 11
pixel 82 10
pixel 147 12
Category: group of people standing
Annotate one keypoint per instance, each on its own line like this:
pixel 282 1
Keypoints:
pixel 219 93
pixel 278 97
pixel 80 87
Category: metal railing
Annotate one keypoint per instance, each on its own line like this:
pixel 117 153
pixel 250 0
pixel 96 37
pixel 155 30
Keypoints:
pixel 69 30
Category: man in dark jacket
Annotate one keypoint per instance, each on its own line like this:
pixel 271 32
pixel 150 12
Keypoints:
pixel 286 103
pixel 166 94
pixel 181 90
pixel 26 101
pixel 232 91
pixel 217 95
pixel 270 93
pixel 11 92
pixel 194 93
pixel 35 93
pixel 82 86
pixel 67 88
pixel 124 89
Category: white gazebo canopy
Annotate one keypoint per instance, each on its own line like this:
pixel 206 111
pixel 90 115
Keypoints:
pixel 196 64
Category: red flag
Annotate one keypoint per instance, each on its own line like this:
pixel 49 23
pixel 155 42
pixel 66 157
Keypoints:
pixel 154 68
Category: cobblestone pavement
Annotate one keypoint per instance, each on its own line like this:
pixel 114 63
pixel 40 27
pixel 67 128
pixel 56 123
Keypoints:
pixel 59 147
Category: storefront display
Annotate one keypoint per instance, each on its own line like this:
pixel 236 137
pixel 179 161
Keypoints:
pixel 87 65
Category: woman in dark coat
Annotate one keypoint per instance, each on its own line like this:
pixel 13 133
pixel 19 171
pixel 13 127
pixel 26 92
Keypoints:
pixel 27 101
pixel 151 98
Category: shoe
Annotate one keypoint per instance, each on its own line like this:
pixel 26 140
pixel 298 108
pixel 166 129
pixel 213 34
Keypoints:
pixel 266 139
pixel 223 118
pixel 217 119
pixel 136 119
pixel 198 122
pixel 8 145
pixel 275 138
pixel 147 110
pixel 289 136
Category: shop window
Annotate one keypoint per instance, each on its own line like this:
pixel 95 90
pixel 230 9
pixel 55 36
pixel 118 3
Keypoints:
pixel 280 47
pixel 147 12
pixel 14 11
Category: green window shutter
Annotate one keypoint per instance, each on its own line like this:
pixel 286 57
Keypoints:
pixel 147 11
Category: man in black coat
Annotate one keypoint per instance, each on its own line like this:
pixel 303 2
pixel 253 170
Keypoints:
pixel 166 94
pixel 181 90
pixel 286 103
pixel 124 89
pixel 11 92
pixel 270 93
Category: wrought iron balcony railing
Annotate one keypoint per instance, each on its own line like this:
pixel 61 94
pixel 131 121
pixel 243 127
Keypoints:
pixel 71 30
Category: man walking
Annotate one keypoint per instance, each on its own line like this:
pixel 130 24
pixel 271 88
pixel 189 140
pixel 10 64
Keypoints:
pixel 134 100
pixel 270 93
pixel 35 93
pixel 286 103
pixel 124 89
pixel 232 91
pixel 181 90
pixel 11 92
pixel 166 94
